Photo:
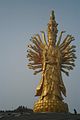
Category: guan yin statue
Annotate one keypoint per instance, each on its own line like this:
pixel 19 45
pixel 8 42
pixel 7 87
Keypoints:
pixel 51 57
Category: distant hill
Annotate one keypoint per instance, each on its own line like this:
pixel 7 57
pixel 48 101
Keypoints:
pixel 19 109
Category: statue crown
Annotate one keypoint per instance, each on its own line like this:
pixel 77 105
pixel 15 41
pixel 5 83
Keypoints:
pixel 52 28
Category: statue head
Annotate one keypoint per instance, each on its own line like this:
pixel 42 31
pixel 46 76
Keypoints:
pixel 52 30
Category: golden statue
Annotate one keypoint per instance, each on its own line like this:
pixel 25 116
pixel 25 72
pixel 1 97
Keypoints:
pixel 51 57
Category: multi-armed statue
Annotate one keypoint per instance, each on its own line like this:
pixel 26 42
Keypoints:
pixel 51 57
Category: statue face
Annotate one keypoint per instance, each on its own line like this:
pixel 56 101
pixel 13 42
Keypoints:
pixel 51 42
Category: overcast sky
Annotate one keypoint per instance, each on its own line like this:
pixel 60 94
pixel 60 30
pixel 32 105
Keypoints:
pixel 19 20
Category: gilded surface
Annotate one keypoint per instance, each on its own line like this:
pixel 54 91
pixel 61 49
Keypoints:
pixel 51 57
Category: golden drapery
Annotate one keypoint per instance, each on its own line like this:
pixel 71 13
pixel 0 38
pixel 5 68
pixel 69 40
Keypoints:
pixel 51 85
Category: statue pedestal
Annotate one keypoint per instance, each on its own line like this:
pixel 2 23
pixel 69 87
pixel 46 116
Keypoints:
pixel 50 106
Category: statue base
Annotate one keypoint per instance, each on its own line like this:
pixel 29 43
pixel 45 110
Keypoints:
pixel 50 106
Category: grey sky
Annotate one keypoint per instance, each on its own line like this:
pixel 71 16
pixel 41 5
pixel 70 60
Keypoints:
pixel 19 20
